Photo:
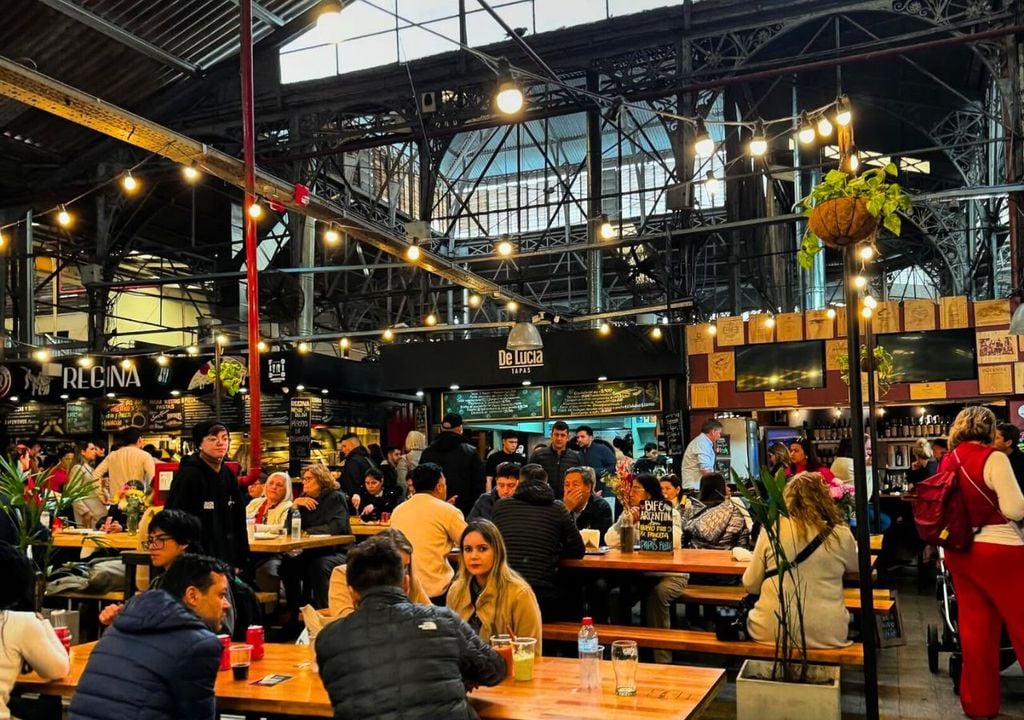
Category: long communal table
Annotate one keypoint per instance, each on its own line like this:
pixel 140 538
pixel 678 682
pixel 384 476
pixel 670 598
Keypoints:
pixel 284 543
pixel 664 692
pixel 96 539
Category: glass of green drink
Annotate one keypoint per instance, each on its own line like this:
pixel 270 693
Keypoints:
pixel 523 651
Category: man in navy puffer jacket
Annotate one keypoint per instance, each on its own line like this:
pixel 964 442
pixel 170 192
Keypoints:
pixel 159 659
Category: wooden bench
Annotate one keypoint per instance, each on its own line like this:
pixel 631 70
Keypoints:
pixel 883 604
pixel 695 641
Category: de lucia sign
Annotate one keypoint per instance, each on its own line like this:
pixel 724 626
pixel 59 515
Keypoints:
pixel 520 362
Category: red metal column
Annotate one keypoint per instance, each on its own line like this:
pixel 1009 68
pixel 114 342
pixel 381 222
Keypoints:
pixel 252 292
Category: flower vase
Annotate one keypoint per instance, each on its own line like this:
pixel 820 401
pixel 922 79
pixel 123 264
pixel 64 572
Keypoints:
pixel 133 523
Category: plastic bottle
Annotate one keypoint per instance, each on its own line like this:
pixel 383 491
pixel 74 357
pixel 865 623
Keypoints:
pixel 44 519
pixel 296 524
pixel 590 663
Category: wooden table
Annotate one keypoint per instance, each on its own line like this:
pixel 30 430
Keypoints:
pixel 664 692
pixel 711 562
pixel 365 529
pixel 284 543
pixel 99 540
pixel 876 543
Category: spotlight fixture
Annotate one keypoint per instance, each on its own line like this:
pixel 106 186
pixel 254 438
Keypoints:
pixel 162 360
pixel 527 383
pixel 474 300
pixel 509 97
pixel 806 132
pixel 853 162
pixel 255 210
pixel 604 329
pixel 412 253
pixel 388 335
pixel 759 143
pixel 430 320
pixel 300 388
pixel 703 144
pixel 64 218
pixel 14 398
pixel 504 247
pixel 328 22
pixel 344 343
pixel 824 126
pixel 656 333
pixel 602 378
pixel 420 393
pixel 190 172
pixel 843 112
pixel 304 347
pixel 111 395
pixel 3 241
pixel 175 393
pixel 866 252
pixel 323 391
pixel 607 229
pixel 453 387
pixel 860 282
pixel 331 235
pixel 129 183
pixel 512 306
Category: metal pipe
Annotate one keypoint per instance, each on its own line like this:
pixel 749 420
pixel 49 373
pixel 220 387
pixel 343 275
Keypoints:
pixel 26 286
pixel 860 482
pixel 595 205
pixel 252 290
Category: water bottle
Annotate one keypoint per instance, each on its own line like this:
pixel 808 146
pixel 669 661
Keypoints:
pixel 590 660
pixel 44 519
pixel 296 524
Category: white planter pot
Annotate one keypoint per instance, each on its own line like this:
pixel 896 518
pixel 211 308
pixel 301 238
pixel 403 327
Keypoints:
pixel 759 698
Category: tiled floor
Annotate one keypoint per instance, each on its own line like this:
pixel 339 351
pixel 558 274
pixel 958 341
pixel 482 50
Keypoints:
pixel 907 690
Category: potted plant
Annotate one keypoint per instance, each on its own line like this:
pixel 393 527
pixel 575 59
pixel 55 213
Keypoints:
pixel 773 689
pixel 847 209
pixel 884 368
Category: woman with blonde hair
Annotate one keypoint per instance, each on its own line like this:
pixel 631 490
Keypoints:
pixel 778 458
pixel 986 576
pixel 489 595
pixel 415 442
pixel 272 505
pixel 816 529
pixel 922 464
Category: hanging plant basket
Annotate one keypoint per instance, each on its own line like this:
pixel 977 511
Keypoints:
pixel 843 221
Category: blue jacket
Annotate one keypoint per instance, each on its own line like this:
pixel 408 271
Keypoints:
pixel 484 506
pixel 157 662
pixel 600 457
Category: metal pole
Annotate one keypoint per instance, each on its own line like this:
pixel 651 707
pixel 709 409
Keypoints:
pixel 860 484
pixel 869 344
pixel 594 201
pixel 252 290
pixel 216 376
pixel 27 286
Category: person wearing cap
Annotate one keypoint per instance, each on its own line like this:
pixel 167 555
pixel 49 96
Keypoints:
pixel 462 465
pixel 205 487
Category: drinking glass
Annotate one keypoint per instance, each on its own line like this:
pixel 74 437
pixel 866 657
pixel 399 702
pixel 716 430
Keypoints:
pixel 624 662
pixel 523 650
pixel 503 645
pixel 240 655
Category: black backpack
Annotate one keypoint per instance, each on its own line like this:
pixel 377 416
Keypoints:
pixel 247 608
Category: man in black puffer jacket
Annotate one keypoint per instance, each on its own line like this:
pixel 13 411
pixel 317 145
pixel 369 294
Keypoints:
pixel 357 464
pixel 393 660
pixel 538 532
pixel 159 659
pixel 463 467
pixel 557 457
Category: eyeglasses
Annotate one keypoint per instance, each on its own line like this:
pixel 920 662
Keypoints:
pixel 155 542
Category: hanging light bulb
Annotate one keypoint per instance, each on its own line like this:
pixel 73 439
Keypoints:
pixel 805 133
pixel 604 329
pixel 870 302
pixel 85 361
pixel 328 22
pixel 824 126
pixel 866 252
pixel 860 282
pixel 711 184
pixel 162 360
pixel 474 300
pixel 607 230
pixel 192 350
pixel 190 172
pixel 831 313
pixel 389 335
pixel 3 241
pixel 844 114
pixel 64 218
pixel 41 355
pixel 504 246
pixel 127 364
pixel 344 343
pixel 854 161
pixel 331 235
pixel 656 333
pixel 512 306
pixel 703 144
pixel 304 347
pixel 865 312
pixel 255 210
pixel 222 339
pixel 712 329
pixel 129 183
pixel 759 143
pixel 769 322
pixel 430 320
pixel 261 346
pixel 412 253
pixel 509 96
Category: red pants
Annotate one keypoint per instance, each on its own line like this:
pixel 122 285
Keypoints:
pixel 989 583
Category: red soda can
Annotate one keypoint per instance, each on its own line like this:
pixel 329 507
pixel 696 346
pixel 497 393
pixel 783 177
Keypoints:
pixel 254 636
pixel 64 635
pixel 225 655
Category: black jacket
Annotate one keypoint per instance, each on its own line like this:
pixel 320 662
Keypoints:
pixel 158 661
pixel 556 464
pixel 394 660
pixel 498 457
pixel 216 499
pixel 597 515
pixel 357 463
pixel 538 532
pixel 463 468
pixel 330 516
pixel 484 506
pixel 387 502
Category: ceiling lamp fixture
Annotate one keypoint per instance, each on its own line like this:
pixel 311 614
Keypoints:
pixel 388 335
pixel 606 229
pixel 504 247
pixel 344 343
pixel 524 335
pixel 711 184
pixel 759 143
pixel 328 22
pixel 703 144
pixel 331 235
pixel 304 347
pixel 509 96
pixel 261 346
pixel 162 360
pixel 129 183
pixel 512 306
pixel 255 210
pixel 430 320
pixel 412 253
pixel 866 252
pixel 806 132
pixel 824 126
pixel 190 172
pixel 656 333
pixel 474 300
pixel 64 218
pixel 844 114
pixel 604 329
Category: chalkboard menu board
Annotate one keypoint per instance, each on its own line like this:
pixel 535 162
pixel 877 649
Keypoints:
pixel 78 418
pixel 168 414
pixel 672 422
pixel 273 410
pixel 654 527
pixel 522 403
pixel 608 398
pixel 33 418
pixel 300 425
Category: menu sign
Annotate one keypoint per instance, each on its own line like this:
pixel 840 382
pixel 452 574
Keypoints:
pixel 34 418
pixel 78 417
pixel 165 414
pixel 609 398
pixel 672 422
pixel 300 425
pixel 654 527
pixel 273 410
pixel 523 403
pixel 195 411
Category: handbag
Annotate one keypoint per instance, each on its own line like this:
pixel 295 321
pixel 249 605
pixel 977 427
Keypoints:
pixel 731 623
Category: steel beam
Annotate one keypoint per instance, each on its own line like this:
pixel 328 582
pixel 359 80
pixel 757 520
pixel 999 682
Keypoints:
pixel 265 15
pixel 115 32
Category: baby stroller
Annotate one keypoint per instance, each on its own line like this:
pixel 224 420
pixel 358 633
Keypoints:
pixel 946 638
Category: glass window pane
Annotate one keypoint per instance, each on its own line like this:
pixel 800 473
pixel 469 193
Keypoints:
pixel 552 14
pixel 627 7
pixel 419 11
pixel 309 64
pixel 481 28
pixel 361 19
pixel 367 52
pixel 418 42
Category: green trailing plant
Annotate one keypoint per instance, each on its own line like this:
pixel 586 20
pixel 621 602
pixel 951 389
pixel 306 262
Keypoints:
pixel 25 496
pixel 884 201
pixel 767 508
pixel 884 368
pixel 232 375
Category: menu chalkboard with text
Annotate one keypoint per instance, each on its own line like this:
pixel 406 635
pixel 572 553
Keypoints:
pixel 78 417
pixel 673 424
pixel 33 418
pixel 608 398
pixel 522 403
pixel 654 527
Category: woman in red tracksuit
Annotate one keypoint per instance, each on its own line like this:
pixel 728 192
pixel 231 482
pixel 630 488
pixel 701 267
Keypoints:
pixel 986 577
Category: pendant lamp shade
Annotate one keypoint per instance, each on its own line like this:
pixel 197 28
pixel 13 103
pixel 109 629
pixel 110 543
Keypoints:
pixel 524 336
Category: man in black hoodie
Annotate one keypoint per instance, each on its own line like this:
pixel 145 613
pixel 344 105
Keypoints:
pixel 357 464
pixel 538 532
pixel 206 488
pixel 463 468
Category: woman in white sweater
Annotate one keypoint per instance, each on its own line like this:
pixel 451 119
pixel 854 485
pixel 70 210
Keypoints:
pixel 24 636
pixel 812 514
